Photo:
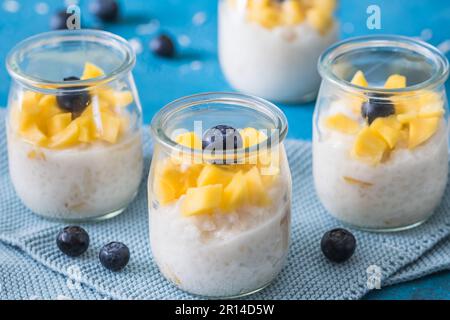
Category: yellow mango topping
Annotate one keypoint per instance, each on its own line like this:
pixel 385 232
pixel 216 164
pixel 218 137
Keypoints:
pixel 293 13
pixel 359 79
pixel 87 129
pixel 325 5
pixel 252 136
pixel 357 182
pixel 190 140
pixel 202 200
pixel 319 19
pixel 265 16
pixel 34 135
pixel 421 129
pixel 58 122
pixel 168 182
pixel 342 123
pixel 236 193
pixel 369 146
pixel 213 174
pixel 388 128
pixel 257 194
pixel 91 71
pixel 110 127
pixel 30 102
pixel 395 81
pixel 65 138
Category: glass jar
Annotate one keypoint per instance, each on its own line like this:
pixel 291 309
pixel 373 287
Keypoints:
pixel 74 124
pixel 380 142
pixel 269 48
pixel 219 213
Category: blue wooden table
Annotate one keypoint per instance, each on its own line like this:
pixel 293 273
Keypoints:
pixel 195 69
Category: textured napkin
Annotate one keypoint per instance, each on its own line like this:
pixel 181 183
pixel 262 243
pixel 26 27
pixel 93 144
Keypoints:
pixel 32 267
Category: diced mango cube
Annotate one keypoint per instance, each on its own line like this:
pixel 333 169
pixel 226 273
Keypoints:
pixel 325 5
pixel 369 146
pixel 48 106
pixel 91 71
pixel 202 200
pixel 168 183
pixel 256 187
pixel 388 128
pixel 319 19
pixel 190 140
pixel 395 81
pixel 122 99
pixel 58 122
pixel 359 79
pixel 251 136
pixel 421 129
pixel 30 101
pixel 213 174
pixel 34 135
pixel 236 192
pixel 110 127
pixel 293 12
pixel 65 138
pixel 266 16
pixel 87 129
pixel 342 123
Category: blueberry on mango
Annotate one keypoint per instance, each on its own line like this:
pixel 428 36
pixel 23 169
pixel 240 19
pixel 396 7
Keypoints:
pixel 73 99
pixel 338 245
pixel 376 107
pixel 163 46
pixel 114 256
pixel 73 241
pixel 222 137
pixel 105 10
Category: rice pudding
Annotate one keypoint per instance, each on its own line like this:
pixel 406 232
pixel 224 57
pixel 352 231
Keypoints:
pixel 219 228
pixel 75 156
pixel 270 48
pixel 382 163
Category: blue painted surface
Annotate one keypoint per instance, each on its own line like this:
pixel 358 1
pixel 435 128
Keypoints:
pixel 161 81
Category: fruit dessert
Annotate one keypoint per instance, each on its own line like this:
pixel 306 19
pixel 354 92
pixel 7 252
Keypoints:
pixel 220 226
pixel 381 159
pixel 270 48
pixel 74 154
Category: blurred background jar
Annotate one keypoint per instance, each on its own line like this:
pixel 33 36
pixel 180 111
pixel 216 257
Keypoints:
pixel 74 124
pixel 380 140
pixel 270 48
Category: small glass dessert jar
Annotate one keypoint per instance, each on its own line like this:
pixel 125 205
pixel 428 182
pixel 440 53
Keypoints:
pixel 380 145
pixel 269 48
pixel 219 194
pixel 74 124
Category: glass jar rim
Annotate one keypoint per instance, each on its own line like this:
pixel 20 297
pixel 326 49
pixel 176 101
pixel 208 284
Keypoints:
pixel 48 86
pixel 231 98
pixel 438 77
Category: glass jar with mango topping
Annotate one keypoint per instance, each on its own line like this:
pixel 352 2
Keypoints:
pixel 270 48
pixel 380 145
pixel 219 194
pixel 74 124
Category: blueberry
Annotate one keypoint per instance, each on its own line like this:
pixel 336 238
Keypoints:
pixel 74 102
pixel 338 245
pixel 377 106
pixel 73 241
pixel 59 20
pixel 163 46
pixel 222 137
pixel 105 10
pixel 114 256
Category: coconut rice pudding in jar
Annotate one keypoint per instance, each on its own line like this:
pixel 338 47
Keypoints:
pixel 270 48
pixel 219 194
pixel 380 145
pixel 74 124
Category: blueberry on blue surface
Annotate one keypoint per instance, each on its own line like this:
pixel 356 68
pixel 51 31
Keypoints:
pixel 105 10
pixel 74 102
pixel 73 241
pixel 114 256
pixel 59 20
pixel 377 106
pixel 338 245
pixel 163 46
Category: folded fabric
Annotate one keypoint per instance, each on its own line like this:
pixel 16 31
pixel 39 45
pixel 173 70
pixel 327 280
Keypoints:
pixel 31 266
